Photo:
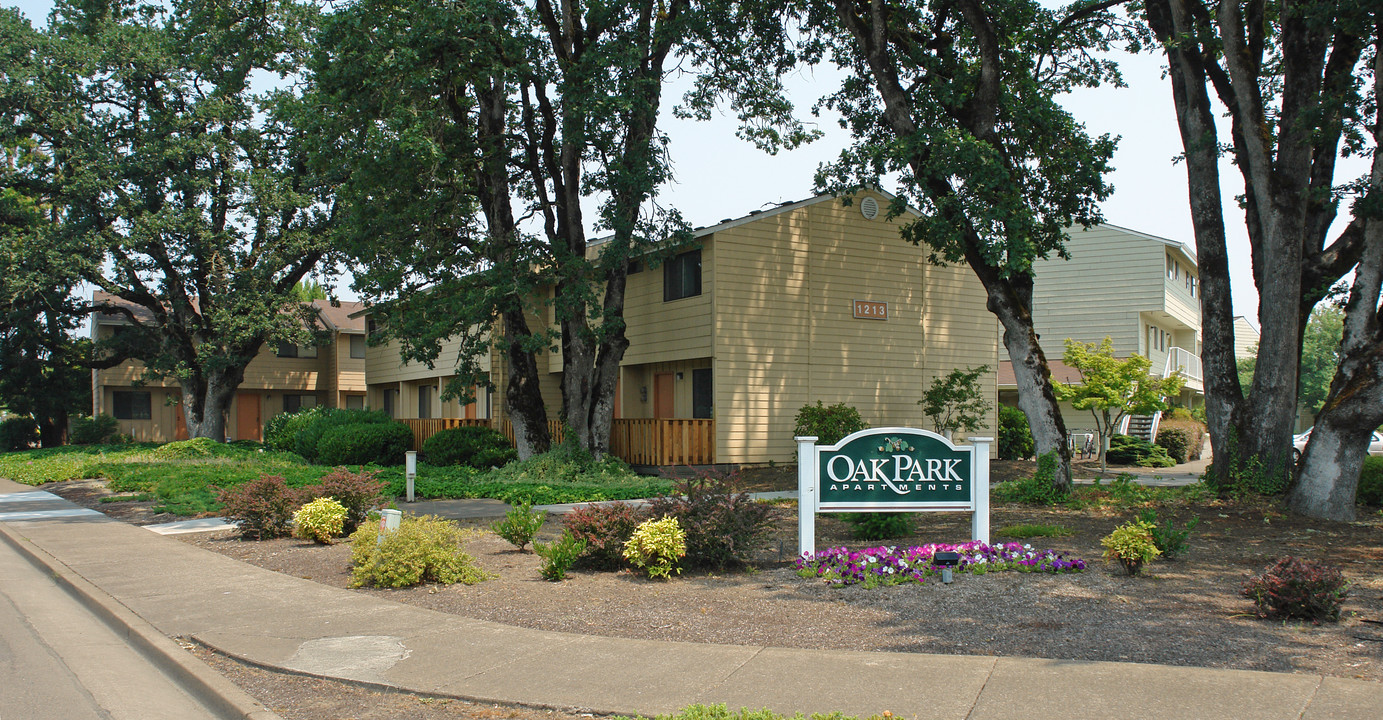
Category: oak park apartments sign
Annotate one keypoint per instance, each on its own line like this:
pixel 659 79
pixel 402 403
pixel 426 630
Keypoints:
pixel 892 469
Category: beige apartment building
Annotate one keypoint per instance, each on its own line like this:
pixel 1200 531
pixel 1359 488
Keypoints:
pixel 280 379
pixel 1141 291
pixel 804 301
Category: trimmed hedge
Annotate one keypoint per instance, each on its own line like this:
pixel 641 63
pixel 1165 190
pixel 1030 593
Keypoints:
pixel 307 439
pixel 1182 439
pixel 364 443
pixel 478 447
pixel 1370 490
pixel 1015 439
pixel 93 430
pixel 18 433
pixel 1129 450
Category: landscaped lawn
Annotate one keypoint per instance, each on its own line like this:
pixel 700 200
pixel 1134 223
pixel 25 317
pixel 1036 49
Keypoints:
pixel 183 477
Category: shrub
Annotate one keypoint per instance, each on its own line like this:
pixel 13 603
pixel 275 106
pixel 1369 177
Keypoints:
pixel 879 526
pixel 558 556
pixel 1131 544
pixel 281 431
pixel 320 520
pixel 93 430
pixel 1181 433
pixel 18 433
pixel 1015 439
pixel 422 549
pixel 478 447
pixel 721 525
pixel 1170 541
pixel 656 546
pixel 1296 588
pixel 604 528
pixel 1370 490
pixel 828 424
pixel 364 443
pixel 263 507
pixel 1129 450
pixel 1036 490
pixel 305 442
pixel 196 448
pixel 357 492
pixel 519 525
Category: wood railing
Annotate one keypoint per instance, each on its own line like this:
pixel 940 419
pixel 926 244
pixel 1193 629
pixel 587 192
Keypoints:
pixel 639 441
pixel 424 428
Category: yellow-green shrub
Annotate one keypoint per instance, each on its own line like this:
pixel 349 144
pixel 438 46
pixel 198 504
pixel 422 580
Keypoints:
pixel 656 546
pixel 422 549
pixel 320 520
pixel 1131 544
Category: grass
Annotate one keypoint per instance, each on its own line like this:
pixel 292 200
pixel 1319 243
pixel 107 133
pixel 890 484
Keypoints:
pixel 1023 532
pixel 1122 493
pixel 183 476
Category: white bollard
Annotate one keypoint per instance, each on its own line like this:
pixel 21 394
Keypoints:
pixel 410 465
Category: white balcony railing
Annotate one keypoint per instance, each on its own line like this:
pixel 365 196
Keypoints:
pixel 1186 361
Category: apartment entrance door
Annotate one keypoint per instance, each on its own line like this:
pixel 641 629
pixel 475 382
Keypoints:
pixel 248 420
pixel 662 395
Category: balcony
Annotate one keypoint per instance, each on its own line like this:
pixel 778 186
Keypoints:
pixel 1186 362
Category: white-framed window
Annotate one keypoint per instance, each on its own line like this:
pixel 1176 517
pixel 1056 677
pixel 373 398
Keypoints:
pixel 358 347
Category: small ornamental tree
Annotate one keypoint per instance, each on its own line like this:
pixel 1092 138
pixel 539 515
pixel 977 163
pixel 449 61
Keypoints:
pixel 1111 388
pixel 955 401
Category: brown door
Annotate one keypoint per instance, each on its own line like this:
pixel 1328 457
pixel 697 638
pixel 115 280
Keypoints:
pixel 179 423
pixel 662 395
pixel 247 417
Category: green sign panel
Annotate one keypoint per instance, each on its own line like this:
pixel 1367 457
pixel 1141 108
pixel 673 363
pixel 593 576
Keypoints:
pixel 895 468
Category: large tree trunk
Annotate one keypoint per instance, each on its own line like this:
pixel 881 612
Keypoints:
pixel 522 394
pixel 206 402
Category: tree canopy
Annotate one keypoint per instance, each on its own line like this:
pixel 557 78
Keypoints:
pixel 1111 388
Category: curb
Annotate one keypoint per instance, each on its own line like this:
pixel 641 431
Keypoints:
pixel 218 694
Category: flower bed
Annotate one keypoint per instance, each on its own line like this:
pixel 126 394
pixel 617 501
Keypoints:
pixel 873 567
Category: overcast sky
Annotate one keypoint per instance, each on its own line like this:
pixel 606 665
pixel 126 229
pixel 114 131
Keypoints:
pixel 718 176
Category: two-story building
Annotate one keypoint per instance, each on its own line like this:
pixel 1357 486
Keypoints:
pixel 282 378
pixel 804 301
pixel 1141 291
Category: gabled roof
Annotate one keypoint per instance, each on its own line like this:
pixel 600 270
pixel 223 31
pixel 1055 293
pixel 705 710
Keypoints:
pixel 1061 373
pixel 1186 251
pixel 332 316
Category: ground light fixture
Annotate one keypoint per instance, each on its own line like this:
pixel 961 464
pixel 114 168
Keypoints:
pixel 946 560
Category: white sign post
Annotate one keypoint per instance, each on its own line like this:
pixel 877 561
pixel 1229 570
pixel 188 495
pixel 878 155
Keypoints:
pixel 892 469
pixel 410 472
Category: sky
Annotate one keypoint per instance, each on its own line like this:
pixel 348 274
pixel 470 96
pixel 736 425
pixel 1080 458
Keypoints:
pixel 718 176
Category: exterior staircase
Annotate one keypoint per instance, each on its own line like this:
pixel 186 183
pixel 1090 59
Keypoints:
pixel 1140 426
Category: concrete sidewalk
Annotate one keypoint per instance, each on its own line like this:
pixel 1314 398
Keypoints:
pixel 287 623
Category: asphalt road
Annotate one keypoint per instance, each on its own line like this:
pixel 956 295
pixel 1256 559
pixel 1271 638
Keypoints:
pixel 60 662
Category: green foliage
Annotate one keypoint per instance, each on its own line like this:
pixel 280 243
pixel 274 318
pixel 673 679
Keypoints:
pixel 604 528
pixel 1182 439
pixel 1132 545
pixel 422 549
pixel 1129 450
pixel 194 448
pixel 880 526
pixel 1246 476
pixel 828 424
pixel 1296 588
pixel 1025 531
pixel 320 520
pixel 18 433
pixel 358 492
pixel 281 431
pixel 1370 490
pixel 1036 490
pixel 478 447
pixel 956 401
pixel 93 430
pixel 365 443
pixel 519 525
pixel 1111 388
pixel 306 442
pixel 1015 438
pixel 1320 354
pixel 720 524
pixel 263 508
pixel 1170 541
pixel 656 547
pixel 558 556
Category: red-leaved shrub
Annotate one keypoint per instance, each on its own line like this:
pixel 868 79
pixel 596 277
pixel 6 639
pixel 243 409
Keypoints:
pixel 722 523
pixel 358 492
pixel 1296 588
pixel 604 528
pixel 264 507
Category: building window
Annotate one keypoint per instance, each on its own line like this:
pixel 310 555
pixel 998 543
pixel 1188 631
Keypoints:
pixel 358 347
pixel 133 405
pixel 391 402
pixel 294 403
pixel 355 402
pixel 425 393
pixel 289 350
pixel 1171 268
pixel 702 404
pixel 1192 284
pixel 682 276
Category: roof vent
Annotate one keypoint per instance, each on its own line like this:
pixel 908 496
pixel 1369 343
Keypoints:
pixel 869 207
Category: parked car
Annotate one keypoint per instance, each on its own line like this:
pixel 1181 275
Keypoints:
pixel 1299 444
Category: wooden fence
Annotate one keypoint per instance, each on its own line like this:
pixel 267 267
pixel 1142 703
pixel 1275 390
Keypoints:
pixel 642 441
